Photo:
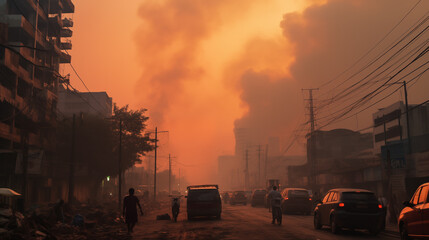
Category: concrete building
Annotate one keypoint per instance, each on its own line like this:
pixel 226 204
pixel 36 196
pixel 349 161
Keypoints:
pixel 390 124
pixel 341 158
pixel 93 103
pixel 33 43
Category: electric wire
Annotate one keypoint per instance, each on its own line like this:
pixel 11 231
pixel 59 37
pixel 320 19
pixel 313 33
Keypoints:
pixel 375 46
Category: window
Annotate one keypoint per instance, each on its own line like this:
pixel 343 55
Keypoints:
pixel 423 194
pixel 334 197
pixel 325 199
pixel 358 196
pixel 416 196
pixel 330 196
pixel 298 193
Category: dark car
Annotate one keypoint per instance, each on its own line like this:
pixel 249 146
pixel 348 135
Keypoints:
pixel 258 198
pixel 203 200
pixel 413 220
pixel 349 208
pixel 248 195
pixel 238 197
pixel 225 197
pixel 296 200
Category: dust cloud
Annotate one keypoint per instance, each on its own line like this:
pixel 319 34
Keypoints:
pixel 200 94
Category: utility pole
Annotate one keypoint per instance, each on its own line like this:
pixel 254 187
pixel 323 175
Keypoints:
pixel 155 155
pixel 408 117
pixel 179 180
pixel 154 170
pixel 169 174
pixel 72 161
pixel 259 165
pixel 120 166
pixel 312 142
pixel 246 171
pixel 266 161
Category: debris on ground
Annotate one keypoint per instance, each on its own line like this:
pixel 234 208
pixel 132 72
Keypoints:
pixel 163 217
pixel 80 222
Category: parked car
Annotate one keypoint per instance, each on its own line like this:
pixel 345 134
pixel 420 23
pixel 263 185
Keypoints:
pixel 203 200
pixel 258 197
pixel 226 197
pixel 248 195
pixel 296 200
pixel 238 197
pixel 349 208
pixel 413 220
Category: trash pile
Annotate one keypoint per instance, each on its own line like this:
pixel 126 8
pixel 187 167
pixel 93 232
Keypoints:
pixel 82 222
pixel 59 221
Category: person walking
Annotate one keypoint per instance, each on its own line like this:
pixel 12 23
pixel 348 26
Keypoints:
pixel 175 207
pixel 275 199
pixel 130 210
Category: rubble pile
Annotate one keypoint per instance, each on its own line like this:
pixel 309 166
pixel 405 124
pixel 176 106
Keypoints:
pixel 95 222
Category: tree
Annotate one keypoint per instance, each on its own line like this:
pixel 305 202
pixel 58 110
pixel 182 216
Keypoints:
pixel 97 143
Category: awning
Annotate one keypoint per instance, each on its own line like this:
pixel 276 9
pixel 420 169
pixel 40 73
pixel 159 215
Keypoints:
pixel 8 192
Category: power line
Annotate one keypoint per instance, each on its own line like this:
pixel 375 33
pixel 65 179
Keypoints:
pixel 355 86
pixel 377 81
pixel 375 46
pixel 78 76
pixel 76 92
pixel 335 119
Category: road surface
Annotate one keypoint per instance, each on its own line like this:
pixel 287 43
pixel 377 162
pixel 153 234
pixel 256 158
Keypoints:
pixel 241 222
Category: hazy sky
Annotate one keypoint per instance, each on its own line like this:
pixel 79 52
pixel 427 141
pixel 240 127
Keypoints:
pixel 202 67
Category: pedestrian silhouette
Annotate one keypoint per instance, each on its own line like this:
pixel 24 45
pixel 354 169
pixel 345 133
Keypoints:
pixel 130 210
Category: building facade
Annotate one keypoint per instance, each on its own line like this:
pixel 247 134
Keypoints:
pixel 92 103
pixel 33 44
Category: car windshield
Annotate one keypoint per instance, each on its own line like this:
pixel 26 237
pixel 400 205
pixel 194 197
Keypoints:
pixel 203 195
pixel 360 196
pixel 298 193
pixel 239 194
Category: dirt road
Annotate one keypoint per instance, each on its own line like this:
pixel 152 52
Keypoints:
pixel 241 222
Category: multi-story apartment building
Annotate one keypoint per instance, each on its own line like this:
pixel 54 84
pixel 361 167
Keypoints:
pixel 92 103
pixel 33 44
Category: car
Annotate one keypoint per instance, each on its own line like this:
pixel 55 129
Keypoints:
pixel 226 197
pixel 248 195
pixel 296 200
pixel 349 208
pixel 258 198
pixel 203 200
pixel 413 221
pixel 238 197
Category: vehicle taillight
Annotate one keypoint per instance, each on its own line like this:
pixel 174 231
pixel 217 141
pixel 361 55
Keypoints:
pixel 286 198
pixel 341 204
pixel 309 199
pixel 380 206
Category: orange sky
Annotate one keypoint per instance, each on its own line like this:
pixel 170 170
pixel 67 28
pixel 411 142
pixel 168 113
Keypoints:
pixel 195 64
pixel 106 54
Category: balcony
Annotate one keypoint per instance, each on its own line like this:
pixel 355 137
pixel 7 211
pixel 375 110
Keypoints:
pixel 65 32
pixel 55 25
pixel 68 6
pixel 55 6
pixel 67 22
pixel 67 45
pixel 65 58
